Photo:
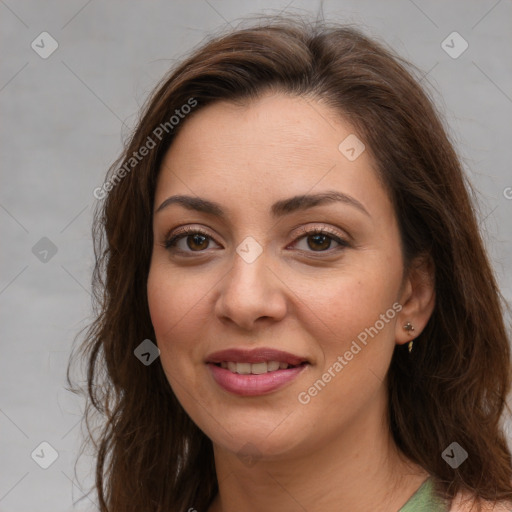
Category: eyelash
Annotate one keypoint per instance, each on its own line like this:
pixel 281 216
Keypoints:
pixel 170 241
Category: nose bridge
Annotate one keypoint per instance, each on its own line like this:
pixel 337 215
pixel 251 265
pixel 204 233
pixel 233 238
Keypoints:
pixel 250 290
pixel 248 275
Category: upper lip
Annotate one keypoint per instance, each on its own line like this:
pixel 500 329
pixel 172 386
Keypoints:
pixel 257 355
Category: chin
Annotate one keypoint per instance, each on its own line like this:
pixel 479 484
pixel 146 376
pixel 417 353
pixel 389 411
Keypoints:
pixel 255 441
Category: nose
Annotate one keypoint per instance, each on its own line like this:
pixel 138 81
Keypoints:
pixel 251 294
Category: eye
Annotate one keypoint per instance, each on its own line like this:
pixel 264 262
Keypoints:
pixel 195 240
pixel 320 240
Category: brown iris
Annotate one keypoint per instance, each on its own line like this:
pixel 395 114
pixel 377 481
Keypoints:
pixel 200 240
pixel 319 239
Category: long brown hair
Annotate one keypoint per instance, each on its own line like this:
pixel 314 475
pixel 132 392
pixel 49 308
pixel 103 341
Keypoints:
pixel 451 388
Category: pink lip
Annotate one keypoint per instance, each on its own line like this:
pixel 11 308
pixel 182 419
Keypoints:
pixel 257 355
pixel 253 385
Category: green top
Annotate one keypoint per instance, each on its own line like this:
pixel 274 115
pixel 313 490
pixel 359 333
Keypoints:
pixel 425 500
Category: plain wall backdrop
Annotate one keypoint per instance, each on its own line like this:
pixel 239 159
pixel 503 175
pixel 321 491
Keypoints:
pixel 64 111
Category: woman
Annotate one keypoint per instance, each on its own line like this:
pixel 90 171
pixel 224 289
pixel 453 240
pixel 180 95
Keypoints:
pixel 291 226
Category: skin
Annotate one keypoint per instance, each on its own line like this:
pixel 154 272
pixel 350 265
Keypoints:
pixel 335 452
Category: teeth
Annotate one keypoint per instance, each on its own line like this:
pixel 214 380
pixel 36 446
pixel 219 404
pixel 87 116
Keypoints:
pixel 243 368
pixel 259 368
pixel 272 366
pixel 253 368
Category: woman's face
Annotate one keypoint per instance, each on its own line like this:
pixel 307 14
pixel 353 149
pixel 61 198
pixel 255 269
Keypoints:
pixel 259 277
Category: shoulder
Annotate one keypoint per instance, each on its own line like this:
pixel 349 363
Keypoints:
pixel 463 502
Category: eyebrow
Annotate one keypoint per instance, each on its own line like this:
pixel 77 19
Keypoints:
pixel 279 209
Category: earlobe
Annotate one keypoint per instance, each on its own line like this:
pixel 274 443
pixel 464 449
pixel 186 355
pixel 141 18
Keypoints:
pixel 417 300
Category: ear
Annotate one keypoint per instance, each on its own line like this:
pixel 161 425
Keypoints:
pixel 417 299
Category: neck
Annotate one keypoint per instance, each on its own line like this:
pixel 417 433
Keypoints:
pixel 360 469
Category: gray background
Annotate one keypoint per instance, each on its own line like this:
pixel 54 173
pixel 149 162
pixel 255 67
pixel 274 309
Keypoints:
pixel 63 119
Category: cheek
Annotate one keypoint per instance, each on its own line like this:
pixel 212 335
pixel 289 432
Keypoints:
pixel 349 302
pixel 172 299
pixel 356 319
pixel 172 305
pixel 372 286
pixel 180 306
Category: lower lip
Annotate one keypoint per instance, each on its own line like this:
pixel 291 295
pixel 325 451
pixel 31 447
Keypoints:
pixel 253 385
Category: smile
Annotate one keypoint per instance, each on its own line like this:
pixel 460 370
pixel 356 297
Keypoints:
pixel 253 368
pixel 254 372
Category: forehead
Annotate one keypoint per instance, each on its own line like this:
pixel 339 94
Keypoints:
pixel 288 125
pixel 263 150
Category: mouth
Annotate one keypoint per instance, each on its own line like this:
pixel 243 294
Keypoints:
pixel 254 372
pixel 255 368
